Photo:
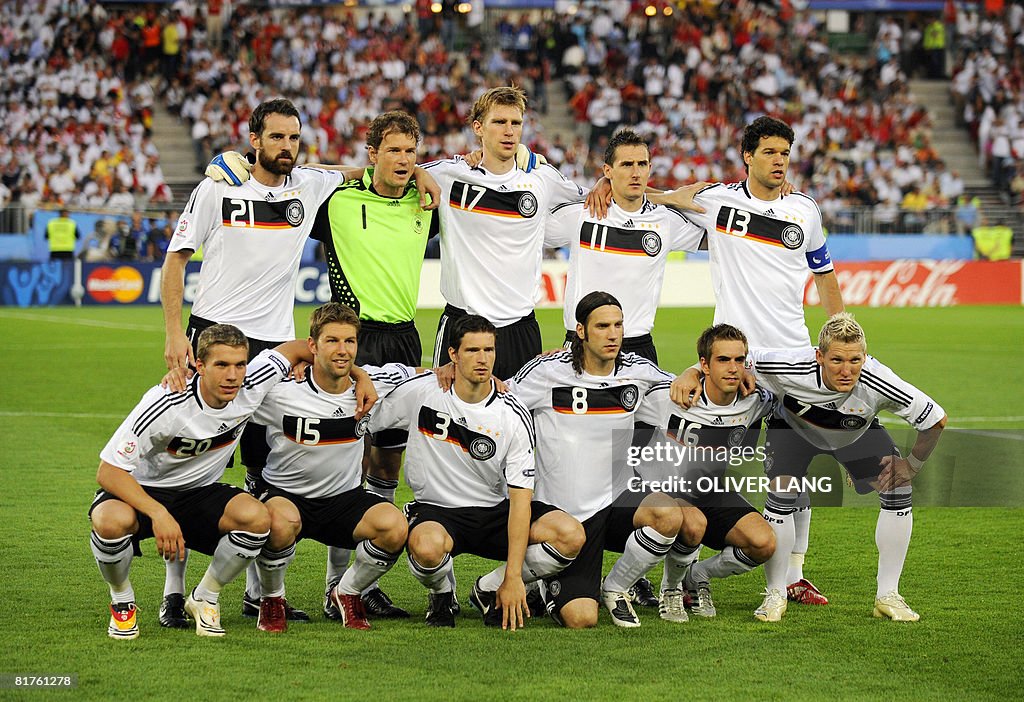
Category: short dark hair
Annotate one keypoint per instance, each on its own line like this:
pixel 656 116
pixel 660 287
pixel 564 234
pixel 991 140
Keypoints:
pixel 393 121
pixel 220 335
pixel 279 106
pixel 762 127
pixel 719 332
pixel 331 313
pixel 584 308
pixel 470 324
pixel 624 137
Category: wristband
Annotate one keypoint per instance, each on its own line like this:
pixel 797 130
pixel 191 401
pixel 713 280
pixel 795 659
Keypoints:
pixel 914 461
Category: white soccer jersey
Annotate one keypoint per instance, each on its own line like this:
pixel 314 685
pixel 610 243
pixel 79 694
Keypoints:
pixel 761 252
pixel 252 238
pixel 174 440
pixel 704 425
pixel 831 420
pixel 492 235
pixel 316 447
pixel 623 254
pixel 584 427
pixel 459 454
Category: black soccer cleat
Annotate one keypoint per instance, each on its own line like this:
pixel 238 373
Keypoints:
pixel 535 600
pixel 487 602
pixel 439 610
pixel 251 609
pixel 642 593
pixel 379 606
pixel 172 612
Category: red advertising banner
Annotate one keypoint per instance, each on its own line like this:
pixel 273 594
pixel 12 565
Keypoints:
pixel 925 283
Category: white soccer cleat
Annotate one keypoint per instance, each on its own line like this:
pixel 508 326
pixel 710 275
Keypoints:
pixel 893 606
pixel 701 604
pixel 672 607
pixel 206 614
pixel 773 607
pixel 620 608
pixel 124 623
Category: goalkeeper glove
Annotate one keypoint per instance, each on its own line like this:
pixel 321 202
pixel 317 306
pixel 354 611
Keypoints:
pixel 528 160
pixel 230 166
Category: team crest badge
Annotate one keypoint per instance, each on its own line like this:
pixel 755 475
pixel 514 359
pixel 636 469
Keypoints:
pixel 554 587
pixel 628 398
pixel 482 448
pixel 361 425
pixel 852 423
pixel 527 205
pixel 294 213
pixel 651 244
pixel 792 237
pixel 736 436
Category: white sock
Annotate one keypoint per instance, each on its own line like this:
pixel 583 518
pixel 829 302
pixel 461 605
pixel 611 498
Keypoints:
pixel 370 564
pixel 174 576
pixel 337 564
pixel 802 529
pixel 272 566
pixel 434 579
pixel 679 559
pixel 731 561
pixel 234 552
pixel 892 536
pixel 114 558
pixel 382 486
pixel 644 548
pixel 253 586
pixel 778 512
pixel 541 561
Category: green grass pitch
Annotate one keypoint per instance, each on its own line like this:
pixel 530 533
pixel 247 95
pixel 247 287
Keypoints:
pixel 72 375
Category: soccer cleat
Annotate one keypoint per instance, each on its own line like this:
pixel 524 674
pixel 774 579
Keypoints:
pixel 671 607
pixel 353 616
pixel 620 608
pixel 773 607
pixel 330 611
pixel 172 611
pixel 206 615
pixel 893 606
pixel 251 608
pixel 536 601
pixel 642 593
pixel 124 624
pixel 804 592
pixel 272 615
pixel 379 606
pixel 440 609
pixel 701 604
pixel 487 602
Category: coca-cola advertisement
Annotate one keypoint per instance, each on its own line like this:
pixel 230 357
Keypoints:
pixel 926 283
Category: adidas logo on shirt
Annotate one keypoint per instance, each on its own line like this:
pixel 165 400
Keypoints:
pixel 717 420
pixel 504 188
pixel 629 224
pixel 831 405
pixel 769 213
pixel 223 427
pixel 339 412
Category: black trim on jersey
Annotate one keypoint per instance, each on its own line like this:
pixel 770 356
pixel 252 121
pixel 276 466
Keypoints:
pixel 710 435
pixel 511 203
pixel 614 239
pixel 885 388
pixel 558 207
pixel 824 417
pixel 660 385
pixel 620 399
pixel 264 214
pixel 479 446
pixel 259 377
pixel 524 416
pixel 170 399
pixel 648 206
pixel 192 199
pixel 560 356
pixel 333 430
pixel 784 368
pixel 225 438
pixel 633 359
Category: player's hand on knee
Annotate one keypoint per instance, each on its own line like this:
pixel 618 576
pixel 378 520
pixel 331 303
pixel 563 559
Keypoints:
pixel 528 160
pixel 896 472
pixel 230 166
pixel 170 543
pixel 511 598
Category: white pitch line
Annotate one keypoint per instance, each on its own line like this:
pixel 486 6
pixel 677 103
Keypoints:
pixel 991 434
pixel 33 317
pixel 959 420
pixel 62 415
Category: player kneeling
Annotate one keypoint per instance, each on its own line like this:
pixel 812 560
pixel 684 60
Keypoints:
pixel 158 476
pixel 470 464
pixel 314 472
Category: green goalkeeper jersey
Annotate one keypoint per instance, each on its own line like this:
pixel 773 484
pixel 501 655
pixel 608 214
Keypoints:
pixel 374 248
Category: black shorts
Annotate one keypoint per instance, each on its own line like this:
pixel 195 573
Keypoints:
pixel 640 345
pixel 253 444
pixel 605 531
pixel 481 531
pixel 788 453
pixel 329 520
pixel 381 343
pixel 722 510
pixel 197 511
pixel 516 343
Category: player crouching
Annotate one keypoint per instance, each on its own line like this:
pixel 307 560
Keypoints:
pixel 158 477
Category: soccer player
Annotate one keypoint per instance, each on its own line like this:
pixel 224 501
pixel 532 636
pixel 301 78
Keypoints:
pixel 829 401
pixel 583 401
pixel 252 237
pixel 762 246
pixel 374 233
pixel 158 477
pixel 470 464
pixel 623 253
pixel 713 434
pixel 314 473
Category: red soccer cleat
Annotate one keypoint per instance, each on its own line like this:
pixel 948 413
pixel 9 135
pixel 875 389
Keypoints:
pixel 273 617
pixel 353 614
pixel 804 592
